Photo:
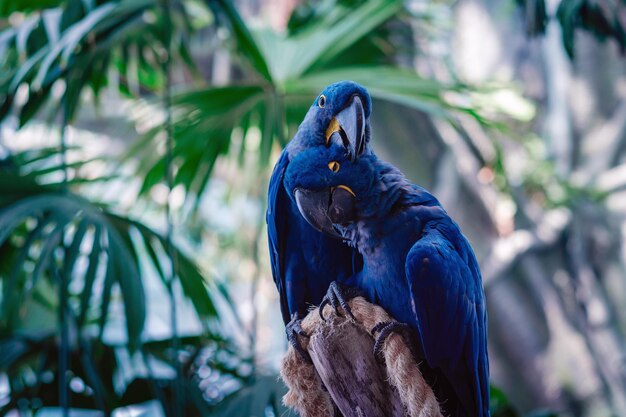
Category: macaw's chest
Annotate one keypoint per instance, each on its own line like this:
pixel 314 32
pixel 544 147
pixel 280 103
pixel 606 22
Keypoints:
pixel 384 281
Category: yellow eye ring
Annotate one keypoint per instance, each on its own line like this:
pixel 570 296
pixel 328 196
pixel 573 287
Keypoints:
pixel 321 102
pixel 334 166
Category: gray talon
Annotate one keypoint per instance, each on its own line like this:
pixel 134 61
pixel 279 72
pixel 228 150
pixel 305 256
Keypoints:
pixel 293 330
pixel 386 328
pixel 338 296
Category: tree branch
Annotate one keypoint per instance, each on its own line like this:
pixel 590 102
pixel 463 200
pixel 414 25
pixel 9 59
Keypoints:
pixel 346 374
pixel 342 354
pixel 508 250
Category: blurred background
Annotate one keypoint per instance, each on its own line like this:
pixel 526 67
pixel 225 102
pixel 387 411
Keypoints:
pixel 137 138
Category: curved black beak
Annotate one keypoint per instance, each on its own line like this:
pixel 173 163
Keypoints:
pixel 351 120
pixel 327 208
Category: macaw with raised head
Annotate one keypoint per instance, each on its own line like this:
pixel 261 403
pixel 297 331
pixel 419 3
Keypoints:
pixel 417 264
pixel 304 262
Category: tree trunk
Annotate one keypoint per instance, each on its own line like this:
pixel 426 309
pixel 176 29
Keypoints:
pixel 345 373
pixel 343 355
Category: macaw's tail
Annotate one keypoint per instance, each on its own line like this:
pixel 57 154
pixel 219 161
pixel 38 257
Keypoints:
pixel 447 398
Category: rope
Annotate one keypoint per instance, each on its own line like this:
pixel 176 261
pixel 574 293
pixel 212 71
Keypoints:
pixel 306 393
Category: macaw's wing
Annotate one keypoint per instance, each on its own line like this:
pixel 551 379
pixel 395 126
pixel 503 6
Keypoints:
pixel 304 261
pixel 276 217
pixel 449 304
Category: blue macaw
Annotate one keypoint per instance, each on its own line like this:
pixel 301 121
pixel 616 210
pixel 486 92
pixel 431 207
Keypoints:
pixel 304 262
pixel 417 264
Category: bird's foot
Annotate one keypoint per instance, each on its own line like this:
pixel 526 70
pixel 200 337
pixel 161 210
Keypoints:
pixel 337 296
pixel 294 329
pixel 386 328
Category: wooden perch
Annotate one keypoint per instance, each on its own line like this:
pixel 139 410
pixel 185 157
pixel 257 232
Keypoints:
pixel 346 375
pixel 342 354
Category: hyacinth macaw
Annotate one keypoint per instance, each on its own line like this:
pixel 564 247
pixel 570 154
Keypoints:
pixel 304 262
pixel 417 264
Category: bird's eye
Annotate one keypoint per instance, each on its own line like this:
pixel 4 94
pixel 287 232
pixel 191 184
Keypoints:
pixel 322 101
pixel 333 166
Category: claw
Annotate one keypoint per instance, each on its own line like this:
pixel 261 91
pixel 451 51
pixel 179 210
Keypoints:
pixel 334 300
pixel 301 351
pixel 379 327
pixel 385 329
pixel 338 296
pixel 323 304
pixel 293 330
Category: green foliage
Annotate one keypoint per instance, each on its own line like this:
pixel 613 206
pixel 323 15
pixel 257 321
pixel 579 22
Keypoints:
pixel 543 413
pixel 262 397
pixel 540 180
pixel 31 364
pixel 600 18
pixel 47 233
pixel 77 42
pixel 37 355
pixel 290 57
pixel 61 222
pixel 25 6
pixel 51 235
pixel 499 405
pixel 202 123
pixel 536 17
pixel 245 42
pixel 287 71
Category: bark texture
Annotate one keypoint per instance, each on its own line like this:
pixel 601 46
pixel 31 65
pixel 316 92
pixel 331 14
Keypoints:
pixel 345 373
pixel 343 357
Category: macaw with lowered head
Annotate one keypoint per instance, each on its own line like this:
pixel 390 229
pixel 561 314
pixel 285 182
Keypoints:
pixel 304 262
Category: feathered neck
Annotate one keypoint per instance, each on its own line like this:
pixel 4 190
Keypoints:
pixel 383 209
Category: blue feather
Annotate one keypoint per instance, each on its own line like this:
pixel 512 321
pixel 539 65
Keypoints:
pixel 418 266
pixel 412 258
pixel 304 262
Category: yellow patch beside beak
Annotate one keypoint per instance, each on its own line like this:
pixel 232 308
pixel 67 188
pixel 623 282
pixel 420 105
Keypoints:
pixel 348 189
pixel 333 127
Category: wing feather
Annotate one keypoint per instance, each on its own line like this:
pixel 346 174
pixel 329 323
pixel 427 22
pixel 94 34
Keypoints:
pixel 304 261
pixel 450 312
pixel 276 217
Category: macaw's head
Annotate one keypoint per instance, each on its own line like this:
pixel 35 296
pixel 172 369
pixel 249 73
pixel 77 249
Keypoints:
pixel 339 115
pixel 334 192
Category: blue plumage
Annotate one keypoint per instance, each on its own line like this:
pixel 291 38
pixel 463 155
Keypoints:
pixel 416 262
pixel 304 261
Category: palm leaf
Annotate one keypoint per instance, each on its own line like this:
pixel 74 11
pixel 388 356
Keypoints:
pixel 203 121
pixel 246 42
pixel 289 57
pixel 385 83
pixel 10 6
pixel 53 229
pixel 76 44
pixel 64 211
